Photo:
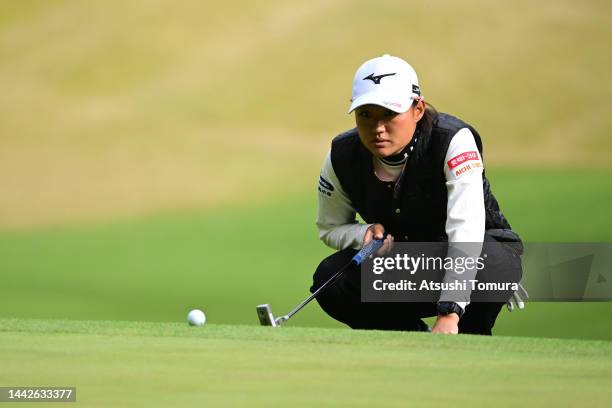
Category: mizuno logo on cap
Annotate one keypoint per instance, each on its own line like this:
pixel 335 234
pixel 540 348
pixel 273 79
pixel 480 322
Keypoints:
pixel 376 78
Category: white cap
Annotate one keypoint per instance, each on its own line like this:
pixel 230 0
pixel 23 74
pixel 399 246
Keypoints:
pixel 385 81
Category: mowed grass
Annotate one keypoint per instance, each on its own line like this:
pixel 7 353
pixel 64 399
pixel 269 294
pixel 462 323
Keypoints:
pixel 158 156
pixel 229 260
pixel 131 107
pixel 135 364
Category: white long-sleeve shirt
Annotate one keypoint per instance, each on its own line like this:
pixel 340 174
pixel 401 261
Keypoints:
pixel 465 220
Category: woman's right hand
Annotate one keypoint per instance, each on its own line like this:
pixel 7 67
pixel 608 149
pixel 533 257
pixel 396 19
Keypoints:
pixel 377 231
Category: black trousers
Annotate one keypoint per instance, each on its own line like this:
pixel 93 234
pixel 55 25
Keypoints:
pixel 342 301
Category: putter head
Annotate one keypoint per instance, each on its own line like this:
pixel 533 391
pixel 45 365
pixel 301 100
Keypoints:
pixel 266 318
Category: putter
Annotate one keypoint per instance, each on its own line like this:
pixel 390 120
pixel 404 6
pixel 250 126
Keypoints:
pixel 264 312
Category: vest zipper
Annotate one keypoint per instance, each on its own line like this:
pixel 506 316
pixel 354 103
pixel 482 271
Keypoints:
pixel 397 187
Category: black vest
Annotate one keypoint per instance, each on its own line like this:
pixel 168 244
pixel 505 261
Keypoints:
pixel 415 209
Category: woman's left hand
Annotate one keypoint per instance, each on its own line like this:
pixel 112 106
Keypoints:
pixel 447 324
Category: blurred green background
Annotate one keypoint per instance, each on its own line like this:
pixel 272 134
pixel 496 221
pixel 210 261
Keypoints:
pixel 158 156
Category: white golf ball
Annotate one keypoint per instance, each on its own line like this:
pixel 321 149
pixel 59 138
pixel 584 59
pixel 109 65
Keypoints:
pixel 196 318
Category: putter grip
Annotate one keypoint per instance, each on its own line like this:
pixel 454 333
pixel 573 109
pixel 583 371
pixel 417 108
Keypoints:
pixel 368 250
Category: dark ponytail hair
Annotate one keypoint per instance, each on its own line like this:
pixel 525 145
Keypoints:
pixel 426 122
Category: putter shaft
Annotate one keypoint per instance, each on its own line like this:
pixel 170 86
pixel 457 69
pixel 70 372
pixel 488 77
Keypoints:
pixel 266 318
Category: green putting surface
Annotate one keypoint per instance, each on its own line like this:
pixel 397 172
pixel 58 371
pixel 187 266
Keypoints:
pixel 139 364
pixel 160 156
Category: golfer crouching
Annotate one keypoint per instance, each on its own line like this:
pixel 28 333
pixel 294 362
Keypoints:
pixel 416 174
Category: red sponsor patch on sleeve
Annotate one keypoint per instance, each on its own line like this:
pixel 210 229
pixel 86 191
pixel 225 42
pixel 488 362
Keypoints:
pixel 462 158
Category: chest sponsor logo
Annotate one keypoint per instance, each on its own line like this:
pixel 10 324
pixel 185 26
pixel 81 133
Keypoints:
pixel 462 158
